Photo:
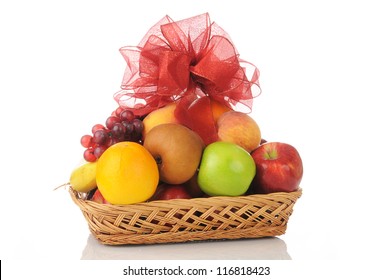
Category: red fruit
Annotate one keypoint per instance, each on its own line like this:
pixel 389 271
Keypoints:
pixel 99 150
pixel 86 141
pixel 97 197
pixel 166 192
pixel 118 112
pixel 278 168
pixel 88 155
pixel 193 187
pixel 127 115
pixel 97 127
pixel 100 137
pixel 110 121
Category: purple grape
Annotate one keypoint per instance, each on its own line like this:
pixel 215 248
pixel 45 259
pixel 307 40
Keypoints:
pixel 118 131
pixel 100 137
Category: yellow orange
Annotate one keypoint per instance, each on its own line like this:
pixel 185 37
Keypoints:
pixel 127 173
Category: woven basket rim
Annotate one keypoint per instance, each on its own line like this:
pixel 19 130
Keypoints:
pixel 216 199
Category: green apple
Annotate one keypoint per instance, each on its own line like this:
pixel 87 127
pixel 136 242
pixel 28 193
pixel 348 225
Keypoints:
pixel 226 169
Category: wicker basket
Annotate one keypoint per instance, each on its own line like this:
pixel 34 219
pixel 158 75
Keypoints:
pixel 182 220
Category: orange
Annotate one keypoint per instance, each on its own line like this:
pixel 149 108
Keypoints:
pixel 218 109
pixel 127 173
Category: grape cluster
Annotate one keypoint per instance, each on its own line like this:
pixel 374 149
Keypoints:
pixel 122 125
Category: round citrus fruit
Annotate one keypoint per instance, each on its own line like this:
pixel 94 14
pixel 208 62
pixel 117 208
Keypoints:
pixel 127 173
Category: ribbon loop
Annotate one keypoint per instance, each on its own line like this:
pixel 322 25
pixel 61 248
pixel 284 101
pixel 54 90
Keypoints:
pixel 189 59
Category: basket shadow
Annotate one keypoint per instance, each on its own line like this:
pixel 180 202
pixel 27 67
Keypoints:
pixel 267 248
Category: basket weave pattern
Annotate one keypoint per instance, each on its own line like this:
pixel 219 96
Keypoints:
pixel 182 220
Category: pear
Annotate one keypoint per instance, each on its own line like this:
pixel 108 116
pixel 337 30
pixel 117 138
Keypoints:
pixel 83 178
pixel 177 151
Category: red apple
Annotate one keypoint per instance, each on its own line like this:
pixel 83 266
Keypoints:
pixel 97 197
pixel 278 168
pixel 193 187
pixel 166 192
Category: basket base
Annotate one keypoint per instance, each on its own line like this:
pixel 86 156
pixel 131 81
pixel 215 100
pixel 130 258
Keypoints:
pixel 186 236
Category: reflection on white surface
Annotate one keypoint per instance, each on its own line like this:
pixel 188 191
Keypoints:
pixel 270 248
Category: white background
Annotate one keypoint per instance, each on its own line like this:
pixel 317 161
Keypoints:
pixel 326 69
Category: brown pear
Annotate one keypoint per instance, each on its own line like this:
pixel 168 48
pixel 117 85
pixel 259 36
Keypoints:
pixel 177 151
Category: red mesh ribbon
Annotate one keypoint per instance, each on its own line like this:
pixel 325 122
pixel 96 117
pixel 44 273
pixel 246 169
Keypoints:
pixel 190 61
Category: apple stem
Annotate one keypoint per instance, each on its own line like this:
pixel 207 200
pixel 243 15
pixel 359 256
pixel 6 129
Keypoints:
pixel 271 154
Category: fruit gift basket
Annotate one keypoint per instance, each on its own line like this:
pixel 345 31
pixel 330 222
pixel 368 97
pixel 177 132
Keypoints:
pixel 180 159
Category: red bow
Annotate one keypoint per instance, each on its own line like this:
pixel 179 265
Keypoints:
pixel 192 61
